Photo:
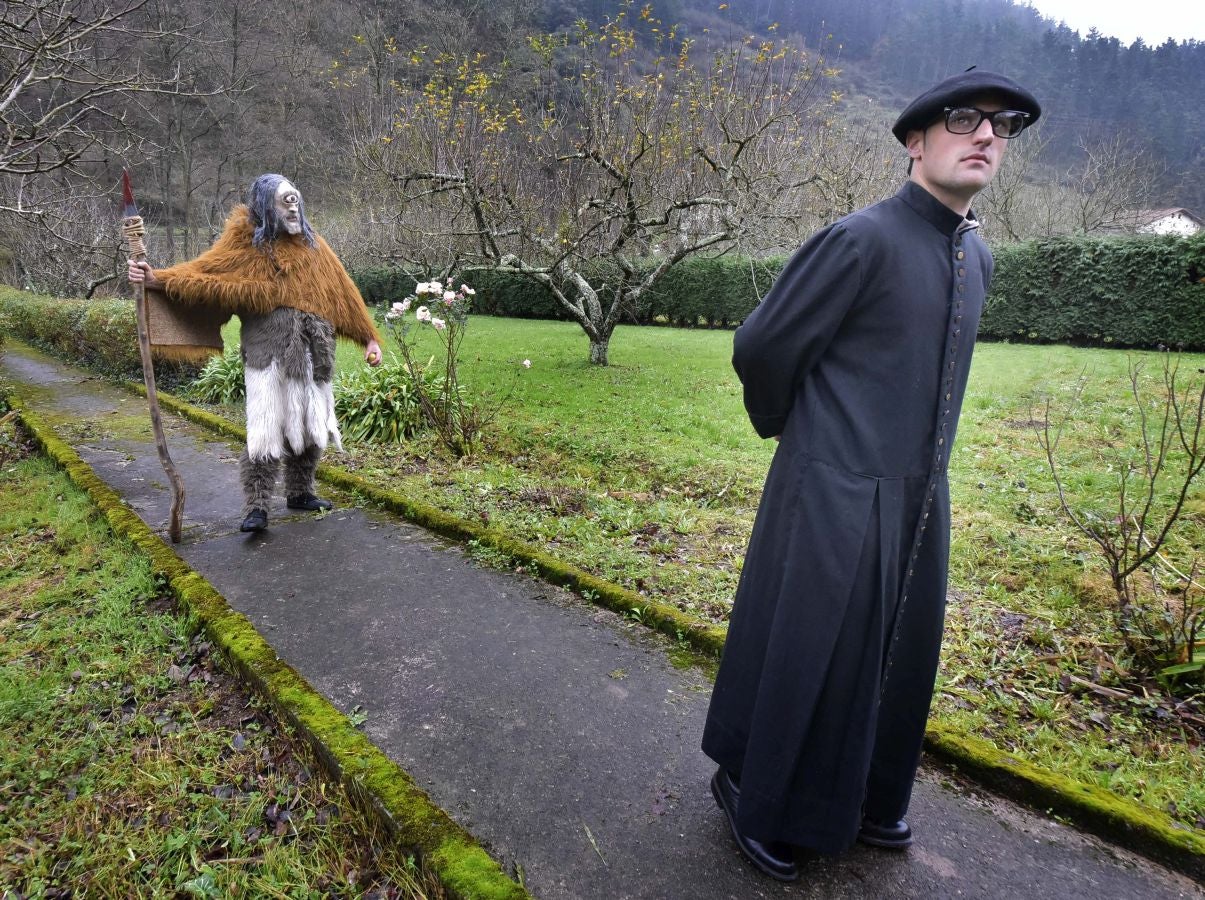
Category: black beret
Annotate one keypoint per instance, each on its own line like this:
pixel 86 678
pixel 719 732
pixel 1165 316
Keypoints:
pixel 957 90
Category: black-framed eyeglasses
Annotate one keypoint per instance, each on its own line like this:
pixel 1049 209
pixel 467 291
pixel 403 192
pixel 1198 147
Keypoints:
pixel 1007 123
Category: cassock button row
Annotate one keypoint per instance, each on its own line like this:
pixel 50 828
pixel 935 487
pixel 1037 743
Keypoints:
pixel 960 254
pixel 961 287
pixel 947 395
pixel 962 273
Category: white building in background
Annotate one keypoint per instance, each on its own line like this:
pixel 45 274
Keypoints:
pixel 1168 221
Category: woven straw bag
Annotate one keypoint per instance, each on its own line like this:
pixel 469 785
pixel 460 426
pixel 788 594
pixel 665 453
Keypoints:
pixel 183 333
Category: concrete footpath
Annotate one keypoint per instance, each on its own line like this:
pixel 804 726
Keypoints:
pixel 564 740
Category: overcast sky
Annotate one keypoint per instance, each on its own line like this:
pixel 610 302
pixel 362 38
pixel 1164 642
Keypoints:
pixel 1152 20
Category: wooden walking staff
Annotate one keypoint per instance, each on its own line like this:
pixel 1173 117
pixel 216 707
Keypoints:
pixel 131 226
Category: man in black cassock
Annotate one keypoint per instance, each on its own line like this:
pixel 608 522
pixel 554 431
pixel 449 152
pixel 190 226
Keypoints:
pixel 856 360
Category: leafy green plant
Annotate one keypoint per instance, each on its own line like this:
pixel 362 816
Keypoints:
pixel 379 404
pixel 221 380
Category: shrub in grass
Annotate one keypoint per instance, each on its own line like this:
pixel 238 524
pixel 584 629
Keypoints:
pixel 378 405
pixel 444 400
pixel 221 380
pixel 99 334
pixel 1158 608
pixel 373 405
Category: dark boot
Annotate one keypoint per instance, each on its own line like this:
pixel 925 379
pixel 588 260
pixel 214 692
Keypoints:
pixel 895 836
pixel 308 502
pixel 299 480
pixel 774 858
pixel 257 520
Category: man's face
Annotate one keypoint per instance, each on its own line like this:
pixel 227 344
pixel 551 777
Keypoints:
pixel 955 167
pixel 288 206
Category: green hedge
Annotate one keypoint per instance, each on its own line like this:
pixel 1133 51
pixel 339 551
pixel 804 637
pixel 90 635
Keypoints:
pixel 1109 292
pixel 99 334
pixel 700 291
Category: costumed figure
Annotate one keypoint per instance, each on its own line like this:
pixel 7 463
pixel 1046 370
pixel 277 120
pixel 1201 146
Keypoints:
pixel 856 361
pixel 292 296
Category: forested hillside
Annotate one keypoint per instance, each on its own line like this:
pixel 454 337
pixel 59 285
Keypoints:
pixel 196 98
pixel 1091 85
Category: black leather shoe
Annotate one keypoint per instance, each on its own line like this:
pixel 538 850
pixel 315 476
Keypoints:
pixel 774 858
pixel 895 836
pixel 308 502
pixel 257 520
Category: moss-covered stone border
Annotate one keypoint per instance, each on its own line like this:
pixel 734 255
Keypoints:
pixel 1094 809
pixel 1115 818
pixel 1145 830
pixel 373 780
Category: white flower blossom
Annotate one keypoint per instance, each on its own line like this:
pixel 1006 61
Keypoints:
pixel 422 314
pixel 438 324
pixel 527 363
pixel 449 296
pixel 465 289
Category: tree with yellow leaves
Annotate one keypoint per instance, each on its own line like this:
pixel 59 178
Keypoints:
pixel 597 162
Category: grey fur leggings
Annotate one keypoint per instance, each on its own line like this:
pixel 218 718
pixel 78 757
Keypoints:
pixel 259 478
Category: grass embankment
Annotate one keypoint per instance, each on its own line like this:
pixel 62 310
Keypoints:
pixel 648 474
pixel 131 762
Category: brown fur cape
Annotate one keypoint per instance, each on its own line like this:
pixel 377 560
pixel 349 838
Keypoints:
pixel 233 276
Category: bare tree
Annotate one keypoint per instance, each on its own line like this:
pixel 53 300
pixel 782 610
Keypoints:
pixel 600 166
pixel 1132 525
pixel 1104 190
pixel 66 70
pixel 71 247
pixel 1011 207
pixel 1114 180
pixel 853 166
pixel 73 77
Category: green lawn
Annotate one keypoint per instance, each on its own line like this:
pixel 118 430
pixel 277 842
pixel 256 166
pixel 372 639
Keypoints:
pixel 647 472
pixel 131 763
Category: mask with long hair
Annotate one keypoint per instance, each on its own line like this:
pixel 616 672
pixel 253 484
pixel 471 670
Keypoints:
pixel 265 217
